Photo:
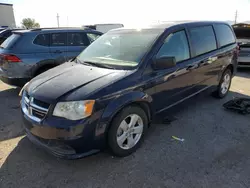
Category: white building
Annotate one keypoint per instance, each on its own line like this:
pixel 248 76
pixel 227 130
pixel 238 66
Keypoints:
pixel 7 18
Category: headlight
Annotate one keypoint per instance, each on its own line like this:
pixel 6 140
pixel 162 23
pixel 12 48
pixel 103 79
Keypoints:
pixel 74 110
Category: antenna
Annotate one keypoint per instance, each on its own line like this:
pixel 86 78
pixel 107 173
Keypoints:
pixel 236 16
pixel 57 20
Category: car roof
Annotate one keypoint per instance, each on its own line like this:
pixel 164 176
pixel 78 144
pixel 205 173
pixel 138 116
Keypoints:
pixel 61 29
pixel 165 25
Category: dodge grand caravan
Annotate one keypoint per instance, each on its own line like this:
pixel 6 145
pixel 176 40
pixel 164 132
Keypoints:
pixel 108 95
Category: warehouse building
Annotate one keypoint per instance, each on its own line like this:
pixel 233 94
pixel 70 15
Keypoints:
pixel 7 18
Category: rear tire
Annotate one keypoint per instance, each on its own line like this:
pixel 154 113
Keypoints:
pixel 127 131
pixel 224 84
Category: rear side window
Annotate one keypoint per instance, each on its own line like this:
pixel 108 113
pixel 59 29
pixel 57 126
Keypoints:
pixel 203 39
pixel 224 34
pixel 9 42
pixel 78 39
pixel 58 39
pixel 92 37
pixel 175 45
pixel 42 40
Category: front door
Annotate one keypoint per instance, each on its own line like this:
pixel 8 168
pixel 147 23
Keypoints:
pixel 174 84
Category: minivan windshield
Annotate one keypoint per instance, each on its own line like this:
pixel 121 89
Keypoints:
pixel 10 41
pixel 121 49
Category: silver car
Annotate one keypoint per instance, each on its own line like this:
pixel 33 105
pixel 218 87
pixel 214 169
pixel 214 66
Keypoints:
pixel 243 39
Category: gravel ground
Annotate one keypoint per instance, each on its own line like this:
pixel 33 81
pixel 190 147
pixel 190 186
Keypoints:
pixel 215 152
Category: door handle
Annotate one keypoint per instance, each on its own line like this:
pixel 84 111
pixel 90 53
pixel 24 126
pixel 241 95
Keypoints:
pixel 58 51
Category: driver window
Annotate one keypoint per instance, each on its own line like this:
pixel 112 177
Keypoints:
pixel 175 45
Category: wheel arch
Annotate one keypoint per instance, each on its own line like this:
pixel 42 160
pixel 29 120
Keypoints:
pixel 230 67
pixel 139 99
pixel 49 63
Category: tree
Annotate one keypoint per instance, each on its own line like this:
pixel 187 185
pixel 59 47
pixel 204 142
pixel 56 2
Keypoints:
pixel 29 23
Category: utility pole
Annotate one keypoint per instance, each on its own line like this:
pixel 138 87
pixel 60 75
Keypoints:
pixel 236 16
pixel 57 20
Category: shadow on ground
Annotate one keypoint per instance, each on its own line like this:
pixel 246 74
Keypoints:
pixel 214 154
pixel 10 121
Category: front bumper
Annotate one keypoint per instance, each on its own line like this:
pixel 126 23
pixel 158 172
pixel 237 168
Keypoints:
pixel 63 142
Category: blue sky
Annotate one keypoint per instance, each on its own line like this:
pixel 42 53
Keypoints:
pixel 128 12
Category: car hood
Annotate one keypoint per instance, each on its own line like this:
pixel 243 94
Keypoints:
pixel 67 78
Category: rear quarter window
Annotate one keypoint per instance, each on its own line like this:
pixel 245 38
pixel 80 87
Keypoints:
pixel 224 34
pixel 9 42
pixel 202 39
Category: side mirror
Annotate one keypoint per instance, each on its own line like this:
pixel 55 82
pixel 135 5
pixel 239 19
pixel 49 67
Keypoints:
pixel 164 62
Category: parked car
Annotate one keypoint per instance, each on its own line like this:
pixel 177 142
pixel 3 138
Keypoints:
pixel 243 39
pixel 104 27
pixel 28 53
pixel 1 29
pixel 6 33
pixel 109 94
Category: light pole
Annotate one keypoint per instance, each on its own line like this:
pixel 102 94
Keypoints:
pixel 57 20
pixel 236 15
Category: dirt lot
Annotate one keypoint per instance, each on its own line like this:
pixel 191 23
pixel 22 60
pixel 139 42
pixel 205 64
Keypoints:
pixel 215 153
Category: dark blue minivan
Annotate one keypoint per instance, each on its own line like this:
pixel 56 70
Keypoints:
pixel 109 94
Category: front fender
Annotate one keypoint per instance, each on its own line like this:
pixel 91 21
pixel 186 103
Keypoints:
pixel 117 104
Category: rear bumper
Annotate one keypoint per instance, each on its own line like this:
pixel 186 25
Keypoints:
pixel 243 64
pixel 244 61
pixel 19 82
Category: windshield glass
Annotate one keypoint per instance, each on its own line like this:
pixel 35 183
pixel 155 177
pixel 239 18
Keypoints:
pixel 120 49
pixel 10 41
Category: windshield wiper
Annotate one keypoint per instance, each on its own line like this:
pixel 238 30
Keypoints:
pixel 94 64
pixel 98 64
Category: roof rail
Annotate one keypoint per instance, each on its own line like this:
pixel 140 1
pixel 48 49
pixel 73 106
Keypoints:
pixel 39 29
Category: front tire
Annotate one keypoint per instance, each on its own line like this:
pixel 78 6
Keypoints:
pixel 224 84
pixel 127 131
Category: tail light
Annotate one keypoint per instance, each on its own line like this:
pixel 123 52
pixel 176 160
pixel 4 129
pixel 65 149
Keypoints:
pixel 10 58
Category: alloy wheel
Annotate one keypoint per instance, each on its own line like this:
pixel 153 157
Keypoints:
pixel 129 131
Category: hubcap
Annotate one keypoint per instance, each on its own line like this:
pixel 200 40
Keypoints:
pixel 225 84
pixel 129 131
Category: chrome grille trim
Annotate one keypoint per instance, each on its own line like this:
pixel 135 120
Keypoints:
pixel 37 107
pixel 28 106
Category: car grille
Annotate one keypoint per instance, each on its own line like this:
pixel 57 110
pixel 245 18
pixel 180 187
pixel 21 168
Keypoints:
pixel 34 108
